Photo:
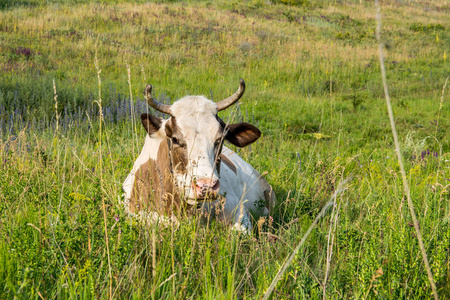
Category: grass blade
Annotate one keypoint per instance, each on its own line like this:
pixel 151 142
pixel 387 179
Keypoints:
pixel 399 154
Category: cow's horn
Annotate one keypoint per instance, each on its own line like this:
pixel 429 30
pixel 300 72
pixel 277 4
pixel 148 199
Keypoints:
pixel 153 103
pixel 233 98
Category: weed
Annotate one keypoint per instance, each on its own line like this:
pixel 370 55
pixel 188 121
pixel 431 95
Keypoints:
pixel 420 27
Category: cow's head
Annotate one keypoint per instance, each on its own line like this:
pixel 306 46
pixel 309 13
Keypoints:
pixel 195 134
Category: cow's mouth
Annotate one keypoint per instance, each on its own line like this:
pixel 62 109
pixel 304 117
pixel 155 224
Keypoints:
pixel 205 190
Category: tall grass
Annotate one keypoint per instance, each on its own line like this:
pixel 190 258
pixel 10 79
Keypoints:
pixel 313 90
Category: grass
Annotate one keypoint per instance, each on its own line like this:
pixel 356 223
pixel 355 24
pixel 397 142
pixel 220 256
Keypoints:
pixel 313 88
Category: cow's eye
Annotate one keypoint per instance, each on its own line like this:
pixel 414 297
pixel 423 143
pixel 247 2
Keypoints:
pixel 217 143
pixel 177 142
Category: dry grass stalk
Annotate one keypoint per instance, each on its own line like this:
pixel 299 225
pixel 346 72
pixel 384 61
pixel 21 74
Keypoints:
pixel 399 154
pixel 56 105
pixel 99 102
pixel 133 119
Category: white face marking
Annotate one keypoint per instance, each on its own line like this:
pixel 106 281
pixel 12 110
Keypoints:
pixel 196 118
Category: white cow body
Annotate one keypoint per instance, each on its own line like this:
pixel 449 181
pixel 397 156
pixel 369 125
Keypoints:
pixel 246 187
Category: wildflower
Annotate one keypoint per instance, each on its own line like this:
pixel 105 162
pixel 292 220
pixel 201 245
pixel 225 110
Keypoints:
pixel 270 220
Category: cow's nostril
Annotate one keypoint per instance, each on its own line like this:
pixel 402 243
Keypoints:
pixel 215 185
pixel 205 185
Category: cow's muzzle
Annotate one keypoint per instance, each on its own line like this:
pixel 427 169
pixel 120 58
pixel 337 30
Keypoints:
pixel 206 188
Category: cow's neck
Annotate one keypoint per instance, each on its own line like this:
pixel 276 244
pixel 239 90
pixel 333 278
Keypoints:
pixel 164 182
pixel 153 186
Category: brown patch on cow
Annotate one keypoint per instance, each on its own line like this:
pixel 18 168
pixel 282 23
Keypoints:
pixel 174 133
pixel 179 159
pixel 226 161
pixel 178 151
pixel 142 188
pixel 170 125
pixel 154 188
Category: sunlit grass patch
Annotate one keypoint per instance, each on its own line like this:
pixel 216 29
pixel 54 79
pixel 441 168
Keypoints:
pixel 313 88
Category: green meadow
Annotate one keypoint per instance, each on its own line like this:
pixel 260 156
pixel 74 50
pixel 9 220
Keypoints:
pixel 314 89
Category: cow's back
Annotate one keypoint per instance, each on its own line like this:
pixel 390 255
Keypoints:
pixel 240 179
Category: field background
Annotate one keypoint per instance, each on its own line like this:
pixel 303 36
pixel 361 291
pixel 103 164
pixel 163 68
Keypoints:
pixel 313 88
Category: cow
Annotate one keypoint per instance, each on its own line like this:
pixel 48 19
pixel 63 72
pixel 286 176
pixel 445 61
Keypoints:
pixel 184 165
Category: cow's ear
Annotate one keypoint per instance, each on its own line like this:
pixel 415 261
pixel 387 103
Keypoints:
pixel 151 124
pixel 242 134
